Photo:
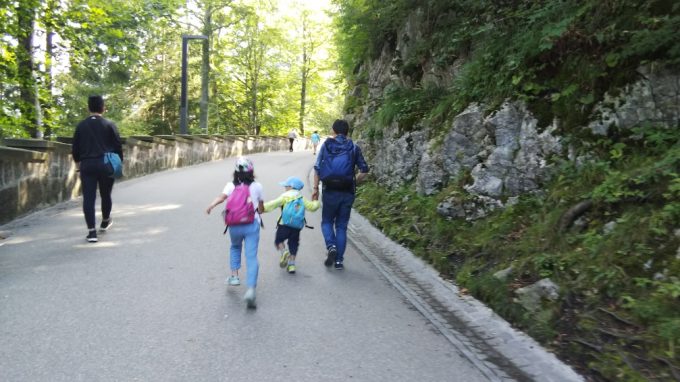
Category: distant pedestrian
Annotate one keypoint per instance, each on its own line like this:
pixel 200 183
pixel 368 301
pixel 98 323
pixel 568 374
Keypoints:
pixel 244 188
pixel 315 141
pixel 94 137
pixel 335 166
pixel 292 135
pixel 292 221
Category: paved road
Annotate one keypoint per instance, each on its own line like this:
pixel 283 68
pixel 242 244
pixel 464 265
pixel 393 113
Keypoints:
pixel 149 302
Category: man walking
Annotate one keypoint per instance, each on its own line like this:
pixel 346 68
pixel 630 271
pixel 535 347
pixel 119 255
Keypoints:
pixel 94 137
pixel 335 166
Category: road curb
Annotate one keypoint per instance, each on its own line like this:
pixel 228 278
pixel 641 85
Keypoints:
pixel 499 351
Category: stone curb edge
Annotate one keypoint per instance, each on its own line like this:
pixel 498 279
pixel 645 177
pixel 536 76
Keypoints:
pixel 520 350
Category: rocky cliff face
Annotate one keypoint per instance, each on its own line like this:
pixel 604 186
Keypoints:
pixel 501 154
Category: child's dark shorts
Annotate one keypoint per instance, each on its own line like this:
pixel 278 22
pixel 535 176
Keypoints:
pixel 284 233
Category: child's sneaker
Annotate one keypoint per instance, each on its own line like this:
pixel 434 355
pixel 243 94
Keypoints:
pixel 92 236
pixel 330 256
pixel 250 298
pixel 291 268
pixel 233 281
pixel 106 224
pixel 339 266
pixel 283 260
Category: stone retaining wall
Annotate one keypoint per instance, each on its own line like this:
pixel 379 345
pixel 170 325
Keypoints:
pixel 36 174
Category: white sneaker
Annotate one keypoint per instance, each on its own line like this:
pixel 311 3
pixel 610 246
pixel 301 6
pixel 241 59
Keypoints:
pixel 250 298
pixel 233 281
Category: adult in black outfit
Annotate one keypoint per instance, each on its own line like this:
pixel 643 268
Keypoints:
pixel 94 137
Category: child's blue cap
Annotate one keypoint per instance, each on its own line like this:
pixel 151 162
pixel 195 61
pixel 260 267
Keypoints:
pixel 293 182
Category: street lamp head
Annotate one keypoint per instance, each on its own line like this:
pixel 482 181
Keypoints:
pixel 194 37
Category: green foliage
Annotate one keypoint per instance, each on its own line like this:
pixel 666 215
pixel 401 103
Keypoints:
pixel 129 51
pixel 617 268
pixel 559 56
pixel 407 106
pixel 365 26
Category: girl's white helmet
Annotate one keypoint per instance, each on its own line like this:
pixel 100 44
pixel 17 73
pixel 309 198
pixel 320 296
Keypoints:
pixel 244 164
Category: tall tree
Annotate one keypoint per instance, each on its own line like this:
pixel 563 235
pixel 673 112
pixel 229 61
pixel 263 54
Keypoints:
pixel 9 124
pixel 29 104
pixel 313 40
pixel 154 85
pixel 251 63
pixel 49 21
pixel 108 40
pixel 55 52
pixel 319 96
pixel 205 65
pixel 307 51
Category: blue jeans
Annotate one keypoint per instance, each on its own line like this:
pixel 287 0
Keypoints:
pixel 250 235
pixel 337 206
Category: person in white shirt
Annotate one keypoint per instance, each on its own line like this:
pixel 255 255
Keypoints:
pixel 241 235
pixel 292 135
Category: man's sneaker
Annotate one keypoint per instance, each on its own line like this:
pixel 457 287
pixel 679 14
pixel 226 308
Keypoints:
pixel 291 268
pixel 283 260
pixel 250 298
pixel 330 256
pixel 92 236
pixel 233 281
pixel 106 224
pixel 339 266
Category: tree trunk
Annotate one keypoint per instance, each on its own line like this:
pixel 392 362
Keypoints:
pixel 27 85
pixel 49 59
pixel 214 91
pixel 205 69
pixel 303 91
pixel 253 106
pixel 308 48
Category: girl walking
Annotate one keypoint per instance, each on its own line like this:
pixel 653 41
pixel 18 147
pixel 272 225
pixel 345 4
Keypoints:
pixel 243 224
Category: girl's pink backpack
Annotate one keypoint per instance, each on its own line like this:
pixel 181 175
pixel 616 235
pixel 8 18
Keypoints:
pixel 239 208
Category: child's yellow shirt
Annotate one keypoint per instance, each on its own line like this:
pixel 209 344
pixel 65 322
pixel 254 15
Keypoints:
pixel 311 205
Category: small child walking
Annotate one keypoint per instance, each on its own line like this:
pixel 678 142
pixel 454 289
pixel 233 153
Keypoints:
pixel 292 220
pixel 243 234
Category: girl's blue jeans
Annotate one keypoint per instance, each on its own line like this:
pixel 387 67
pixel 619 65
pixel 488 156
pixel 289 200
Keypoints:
pixel 247 235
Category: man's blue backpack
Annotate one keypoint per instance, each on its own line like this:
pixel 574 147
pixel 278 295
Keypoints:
pixel 293 214
pixel 336 171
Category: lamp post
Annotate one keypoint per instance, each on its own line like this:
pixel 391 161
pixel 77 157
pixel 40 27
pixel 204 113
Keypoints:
pixel 183 102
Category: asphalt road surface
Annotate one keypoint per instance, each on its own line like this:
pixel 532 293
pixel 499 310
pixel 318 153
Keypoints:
pixel 149 302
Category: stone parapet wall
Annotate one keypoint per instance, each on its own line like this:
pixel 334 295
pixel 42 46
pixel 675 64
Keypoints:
pixel 36 174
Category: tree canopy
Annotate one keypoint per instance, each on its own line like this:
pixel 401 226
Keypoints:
pixel 246 78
